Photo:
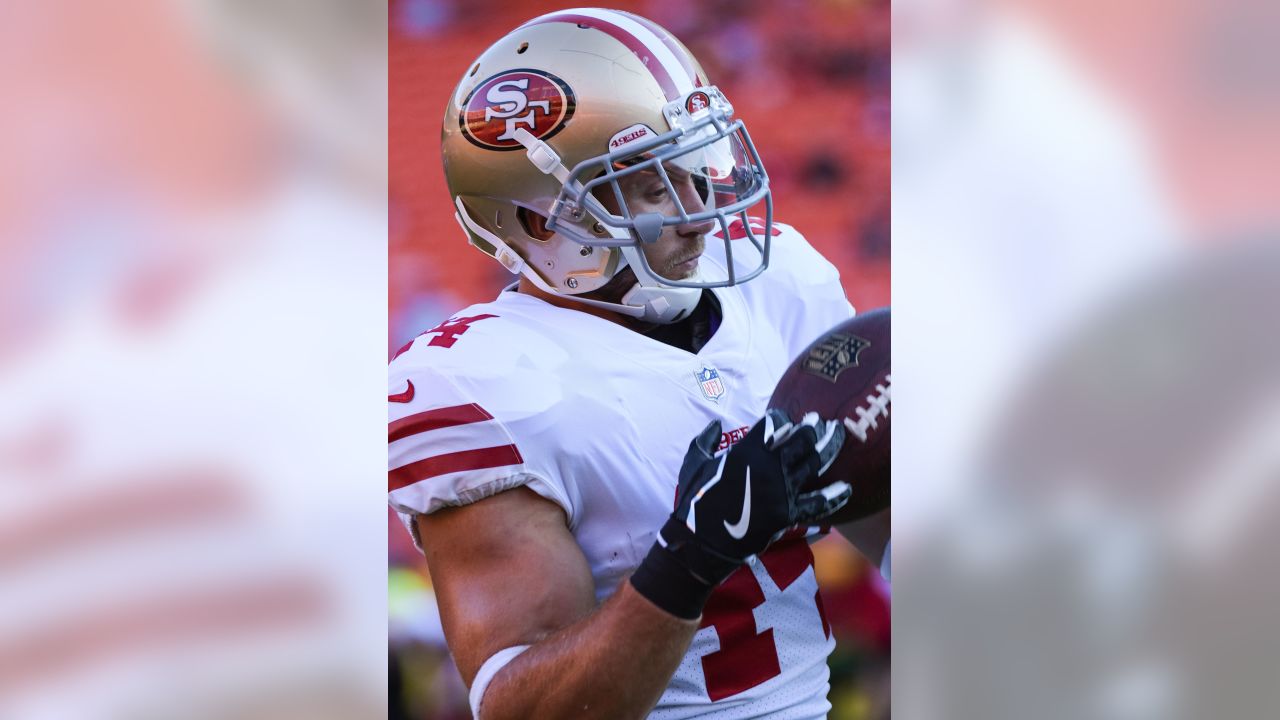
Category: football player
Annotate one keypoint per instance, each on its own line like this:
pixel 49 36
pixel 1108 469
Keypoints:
pixel 589 559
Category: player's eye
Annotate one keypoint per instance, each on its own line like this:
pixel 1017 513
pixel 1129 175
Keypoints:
pixel 656 191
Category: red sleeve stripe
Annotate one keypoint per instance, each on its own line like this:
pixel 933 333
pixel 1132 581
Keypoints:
pixel 453 462
pixel 435 419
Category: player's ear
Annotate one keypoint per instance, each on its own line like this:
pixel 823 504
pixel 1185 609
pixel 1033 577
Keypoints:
pixel 534 224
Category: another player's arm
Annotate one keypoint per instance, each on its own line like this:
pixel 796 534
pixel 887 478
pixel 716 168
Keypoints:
pixel 507 572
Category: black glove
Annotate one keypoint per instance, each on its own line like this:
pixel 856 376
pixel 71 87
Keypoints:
pixel 731 505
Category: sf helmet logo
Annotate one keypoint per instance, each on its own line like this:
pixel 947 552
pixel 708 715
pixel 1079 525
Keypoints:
pixel 531 99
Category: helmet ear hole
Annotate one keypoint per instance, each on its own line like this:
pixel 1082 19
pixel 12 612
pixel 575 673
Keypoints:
pixel 534 224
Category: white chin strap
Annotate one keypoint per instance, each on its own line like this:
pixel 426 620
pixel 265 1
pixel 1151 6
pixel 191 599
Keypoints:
pixel 648 300
pixel 648 303
pixel 655 302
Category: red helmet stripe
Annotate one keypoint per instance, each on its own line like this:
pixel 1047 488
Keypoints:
pixel 681 54
pixel 647 55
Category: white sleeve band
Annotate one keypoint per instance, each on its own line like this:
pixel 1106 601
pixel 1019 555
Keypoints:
pixel 488 670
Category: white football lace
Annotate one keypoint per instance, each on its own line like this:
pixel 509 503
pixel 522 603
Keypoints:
pixel 877 406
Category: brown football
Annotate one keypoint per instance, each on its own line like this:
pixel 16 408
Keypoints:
pixel 845 374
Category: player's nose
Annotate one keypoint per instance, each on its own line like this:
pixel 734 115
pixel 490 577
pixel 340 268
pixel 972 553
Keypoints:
pixel 696 227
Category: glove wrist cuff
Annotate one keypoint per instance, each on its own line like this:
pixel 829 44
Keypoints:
pixel 668 584
pixel 678 576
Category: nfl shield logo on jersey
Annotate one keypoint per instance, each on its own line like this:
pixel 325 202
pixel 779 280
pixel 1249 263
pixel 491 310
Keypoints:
pixel 712 385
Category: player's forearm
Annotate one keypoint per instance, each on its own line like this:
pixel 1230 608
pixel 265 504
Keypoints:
pixel 613 664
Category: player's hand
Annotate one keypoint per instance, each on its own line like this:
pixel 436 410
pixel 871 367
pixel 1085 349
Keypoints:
pixel 735 503
pixel 731 505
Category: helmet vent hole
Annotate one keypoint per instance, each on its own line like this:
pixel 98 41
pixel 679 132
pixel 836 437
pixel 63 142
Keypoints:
pixel 497 218
pixel 474 68
pixel 533 224
pixel 523 46
pixel 584 26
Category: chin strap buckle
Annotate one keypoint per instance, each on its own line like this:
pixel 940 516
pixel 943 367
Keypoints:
pixel 542 156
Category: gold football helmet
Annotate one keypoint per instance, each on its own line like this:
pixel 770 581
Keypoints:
pixel 551 117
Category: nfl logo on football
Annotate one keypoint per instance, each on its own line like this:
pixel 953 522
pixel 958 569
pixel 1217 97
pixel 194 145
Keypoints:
pixel 712 385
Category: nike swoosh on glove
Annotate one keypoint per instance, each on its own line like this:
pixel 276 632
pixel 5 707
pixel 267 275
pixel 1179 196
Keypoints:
pixel 731 505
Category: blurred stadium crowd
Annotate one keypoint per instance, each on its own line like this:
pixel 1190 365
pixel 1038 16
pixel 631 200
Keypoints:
pixel 811 79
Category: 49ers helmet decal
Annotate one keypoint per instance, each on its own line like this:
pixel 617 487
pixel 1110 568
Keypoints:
pixel 533 99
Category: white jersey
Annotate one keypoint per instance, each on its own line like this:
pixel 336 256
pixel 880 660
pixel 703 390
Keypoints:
pixel 597 418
